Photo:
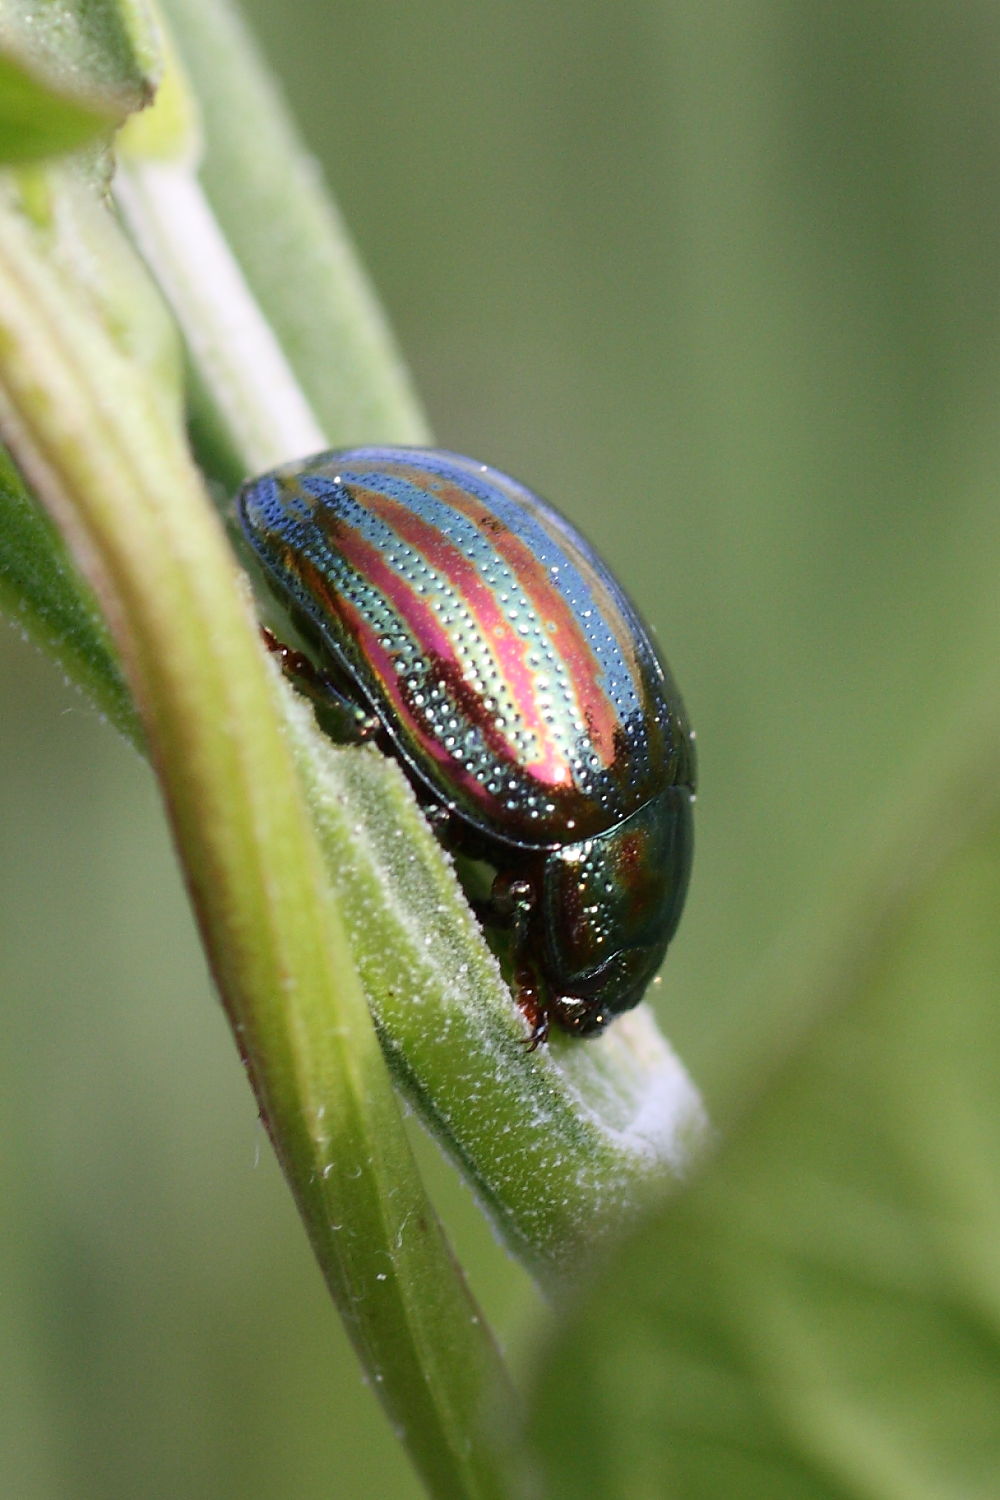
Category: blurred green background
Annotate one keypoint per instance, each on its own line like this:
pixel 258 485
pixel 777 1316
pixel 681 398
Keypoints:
pixel 722 282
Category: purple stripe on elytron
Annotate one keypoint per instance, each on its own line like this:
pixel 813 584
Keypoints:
pixel 382 665
pixel 597 627
pixel 505 645
pixel 568 642
pixel 550 767
pixel 547 539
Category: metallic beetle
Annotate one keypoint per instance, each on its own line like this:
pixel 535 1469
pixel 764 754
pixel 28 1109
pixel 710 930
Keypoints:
pixel 463 619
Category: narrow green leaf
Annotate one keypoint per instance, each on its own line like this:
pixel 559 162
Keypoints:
pixel 41 589
pixel 818 1317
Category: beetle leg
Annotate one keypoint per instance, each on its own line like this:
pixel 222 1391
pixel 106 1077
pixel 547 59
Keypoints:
pixel 439 819
pixel 507 907
pixel 531 1008
pixel 348 722
pixel 512 899
pixel 511 903
pixel 529 1000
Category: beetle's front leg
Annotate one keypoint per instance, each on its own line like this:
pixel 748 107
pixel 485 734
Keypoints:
pixel 512 899
pixel 348 722
pixel 530 1002
pixel 512 902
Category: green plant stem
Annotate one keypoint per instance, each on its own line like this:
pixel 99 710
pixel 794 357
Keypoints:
pixel 289 239
pixel 110 465
pixel 260 410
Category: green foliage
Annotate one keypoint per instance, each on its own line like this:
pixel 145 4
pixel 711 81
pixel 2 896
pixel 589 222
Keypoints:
pixel 92 412
pixel 815 1317
pixel 740 322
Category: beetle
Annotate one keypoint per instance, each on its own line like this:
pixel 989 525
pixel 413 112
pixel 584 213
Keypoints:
pixel 463 621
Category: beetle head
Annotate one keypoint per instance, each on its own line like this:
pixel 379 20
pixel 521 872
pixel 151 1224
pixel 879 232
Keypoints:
pixel 611 905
